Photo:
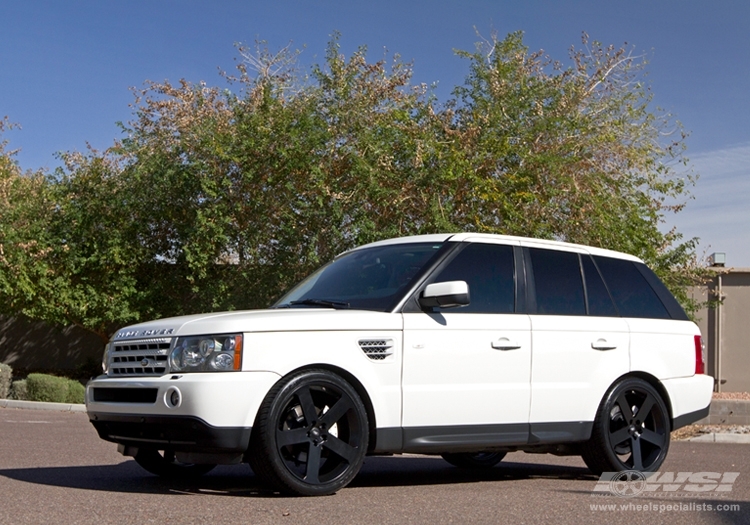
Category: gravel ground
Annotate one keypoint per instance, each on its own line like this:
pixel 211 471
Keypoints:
pixel 726 396
pixel 697 430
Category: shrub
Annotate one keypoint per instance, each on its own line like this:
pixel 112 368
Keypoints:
pixel 6 374
pixel 18 390
pixel 43 387
pixel 76 392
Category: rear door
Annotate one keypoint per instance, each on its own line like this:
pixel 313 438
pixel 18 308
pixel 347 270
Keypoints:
pixel 580 345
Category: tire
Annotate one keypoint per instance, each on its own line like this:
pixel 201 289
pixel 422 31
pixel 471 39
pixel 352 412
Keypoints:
pixel 474 460
pixel 165 465
pixel 311 434
pixel 631 430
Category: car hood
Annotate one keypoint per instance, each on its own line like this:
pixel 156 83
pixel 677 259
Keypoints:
pixel 286 320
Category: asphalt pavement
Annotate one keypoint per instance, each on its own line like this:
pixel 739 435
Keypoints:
pixel 55 469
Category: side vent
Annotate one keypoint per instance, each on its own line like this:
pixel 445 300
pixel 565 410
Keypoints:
pixel 376 349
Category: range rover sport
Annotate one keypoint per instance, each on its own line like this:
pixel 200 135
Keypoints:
pixel 465 345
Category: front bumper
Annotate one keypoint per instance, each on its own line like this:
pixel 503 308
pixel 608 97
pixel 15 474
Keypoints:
pixel 188 434
pixel 200 412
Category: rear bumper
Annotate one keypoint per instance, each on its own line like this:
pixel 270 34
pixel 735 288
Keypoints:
pixel 691 417
pixel 690 398
pixel 178 433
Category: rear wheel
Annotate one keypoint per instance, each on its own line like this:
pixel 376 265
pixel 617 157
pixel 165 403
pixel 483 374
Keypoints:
pixel 311 434
pixel 164 464
pixel 631 430
pixel 474 460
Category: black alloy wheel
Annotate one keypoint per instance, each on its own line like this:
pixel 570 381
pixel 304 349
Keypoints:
pixel 311 434
pixel 631 430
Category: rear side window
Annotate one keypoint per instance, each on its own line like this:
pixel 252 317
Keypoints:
pixel 489 271
pixel 558 283
pixel 631 292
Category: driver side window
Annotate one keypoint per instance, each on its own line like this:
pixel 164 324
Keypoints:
pixel 490 273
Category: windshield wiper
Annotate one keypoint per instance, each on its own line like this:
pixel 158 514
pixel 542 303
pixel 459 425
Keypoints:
pixel 321 302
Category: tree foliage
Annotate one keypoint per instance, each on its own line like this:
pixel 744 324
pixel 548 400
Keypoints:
pixel 221 199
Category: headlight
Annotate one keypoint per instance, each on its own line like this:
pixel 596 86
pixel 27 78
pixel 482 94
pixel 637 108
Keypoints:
pixel 105 359
pixel 207 353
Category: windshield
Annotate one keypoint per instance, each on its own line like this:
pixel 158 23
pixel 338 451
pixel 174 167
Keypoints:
pixel 368 279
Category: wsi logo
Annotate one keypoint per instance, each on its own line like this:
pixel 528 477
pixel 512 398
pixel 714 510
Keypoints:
pixel 630 483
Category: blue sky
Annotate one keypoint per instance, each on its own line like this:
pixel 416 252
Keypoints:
pixel 66 66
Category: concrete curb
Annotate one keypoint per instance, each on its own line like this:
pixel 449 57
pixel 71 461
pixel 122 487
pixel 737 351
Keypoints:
pixel 721 438
pixel 36 405
pixel 727 412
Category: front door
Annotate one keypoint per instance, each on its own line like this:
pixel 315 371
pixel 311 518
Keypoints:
pixel 466 375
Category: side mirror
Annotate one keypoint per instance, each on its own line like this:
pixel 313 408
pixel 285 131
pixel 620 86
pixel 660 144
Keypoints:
pixel 445 295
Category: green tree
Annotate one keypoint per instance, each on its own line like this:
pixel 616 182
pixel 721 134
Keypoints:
pixel 64 253
pixel 574 154
pixel 25 207
pixel 218 199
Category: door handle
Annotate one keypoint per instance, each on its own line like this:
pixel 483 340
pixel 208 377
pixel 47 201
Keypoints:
pixel 602 344
pixel 505 344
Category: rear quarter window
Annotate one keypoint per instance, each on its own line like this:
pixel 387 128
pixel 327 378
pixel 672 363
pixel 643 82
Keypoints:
pixel 633 295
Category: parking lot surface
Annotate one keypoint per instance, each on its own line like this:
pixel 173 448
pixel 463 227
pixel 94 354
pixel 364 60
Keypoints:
pixel 55 469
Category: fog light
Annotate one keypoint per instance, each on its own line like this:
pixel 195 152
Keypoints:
pixel 173 398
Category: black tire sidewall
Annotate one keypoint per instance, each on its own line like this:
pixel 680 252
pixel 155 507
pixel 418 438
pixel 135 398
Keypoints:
pixel 278 400
pixel 603 420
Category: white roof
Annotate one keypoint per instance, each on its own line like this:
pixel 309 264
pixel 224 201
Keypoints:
pixel 506 239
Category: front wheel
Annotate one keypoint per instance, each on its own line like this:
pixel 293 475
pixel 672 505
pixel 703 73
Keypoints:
pixel 165 465
pixel 474 460
pixel 631 430
pixel 311 434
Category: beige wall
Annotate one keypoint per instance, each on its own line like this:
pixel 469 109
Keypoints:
pixel 726 330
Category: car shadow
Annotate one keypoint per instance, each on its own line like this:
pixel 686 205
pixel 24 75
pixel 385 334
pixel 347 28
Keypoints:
pixel 239 480
pixel 392 471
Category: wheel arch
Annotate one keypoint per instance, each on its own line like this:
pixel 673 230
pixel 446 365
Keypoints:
pixel 357 385
pixel 654 382
pixel 601 454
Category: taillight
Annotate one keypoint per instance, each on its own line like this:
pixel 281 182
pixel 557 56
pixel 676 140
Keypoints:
pixel 700 364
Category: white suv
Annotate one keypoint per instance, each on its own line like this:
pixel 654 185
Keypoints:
pixel 467 346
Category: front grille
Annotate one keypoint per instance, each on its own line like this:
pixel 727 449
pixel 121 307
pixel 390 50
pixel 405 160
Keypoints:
pixel 125 395
pixel 143 357
pixel 376 349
